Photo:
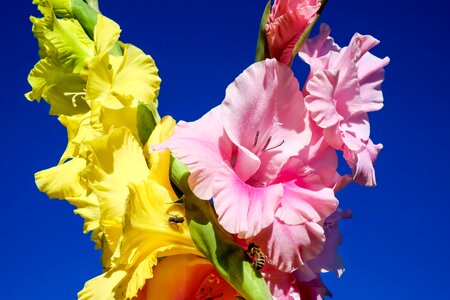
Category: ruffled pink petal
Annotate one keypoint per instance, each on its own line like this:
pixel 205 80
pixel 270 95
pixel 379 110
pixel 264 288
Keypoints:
pixel 263 111
pixel 243 209
pixel 342 182
pixel 313 290
pixel 305 197
pixel 356 131
pixel 300 205
pixel 287 21
pixel 203 146
pixel 362 162
pixel 371 76
pixel 320 100
pixel 322 160
pixel 289 246
pixel 282 285
pixel 359 45
pixel 333 136
pixel 329 259
pixel 317 47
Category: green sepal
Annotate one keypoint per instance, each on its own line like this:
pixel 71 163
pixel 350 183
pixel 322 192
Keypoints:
pixel 216 244
pixel 262 49
pixel 93 4
pixel 146 123
pixel 301 41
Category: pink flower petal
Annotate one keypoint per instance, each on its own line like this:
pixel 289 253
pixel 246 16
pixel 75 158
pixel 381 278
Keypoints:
pixel 243 209
pixel 305 198
pixel 300 205
pixel 317 47
pixel 362 163
pixel 203 146
pixel 329 259
pixel 263 111
pixel 322 160
pixel 320 101
pixel 289 246
pixel 371 75
pixel 282 285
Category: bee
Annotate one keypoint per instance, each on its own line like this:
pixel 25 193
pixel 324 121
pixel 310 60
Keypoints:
pixel 258 258
pixel 174 220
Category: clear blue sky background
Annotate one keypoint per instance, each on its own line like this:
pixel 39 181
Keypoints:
pixel 395 247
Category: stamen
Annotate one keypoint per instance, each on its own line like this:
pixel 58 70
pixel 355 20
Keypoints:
pixel 271 148
pixel 256 139
pixel 267 144
pixel 74 96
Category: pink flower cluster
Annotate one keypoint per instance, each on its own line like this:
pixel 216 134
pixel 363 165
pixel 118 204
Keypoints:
pixel 267 154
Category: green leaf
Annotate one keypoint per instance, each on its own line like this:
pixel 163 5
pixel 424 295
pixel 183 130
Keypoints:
pixel 262 49
pixel 145 122
pixel 216 244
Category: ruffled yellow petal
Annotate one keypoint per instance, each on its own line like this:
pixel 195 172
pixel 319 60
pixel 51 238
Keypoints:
pixel 125 116
pixel 80 129
pixel 65 182
pixel 61 88
pixel 88 209
pixel 116 86
pixel 106 34
pixel 115 160
pixel 102 287
pixel 62 181
pixel 160 161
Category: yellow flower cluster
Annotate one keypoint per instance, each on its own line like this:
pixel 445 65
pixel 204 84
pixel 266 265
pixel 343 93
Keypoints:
pixel 122 191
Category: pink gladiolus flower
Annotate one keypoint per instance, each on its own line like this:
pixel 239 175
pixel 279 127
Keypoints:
pixel 287 21
pixel 264 163
pixel 343 86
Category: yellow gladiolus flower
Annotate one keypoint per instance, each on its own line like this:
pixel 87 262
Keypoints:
pixel 153 221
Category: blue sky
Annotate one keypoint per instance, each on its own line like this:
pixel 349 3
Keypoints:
pixel 396 245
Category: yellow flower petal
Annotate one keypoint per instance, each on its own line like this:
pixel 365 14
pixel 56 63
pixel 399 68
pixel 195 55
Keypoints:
pixel 58 86
pixel 135 79
pixel 88 209
pixel 115 161
pixel 106 34
pixel 62 181
pixel 80 129
pixel 102 287
pixel 160 161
